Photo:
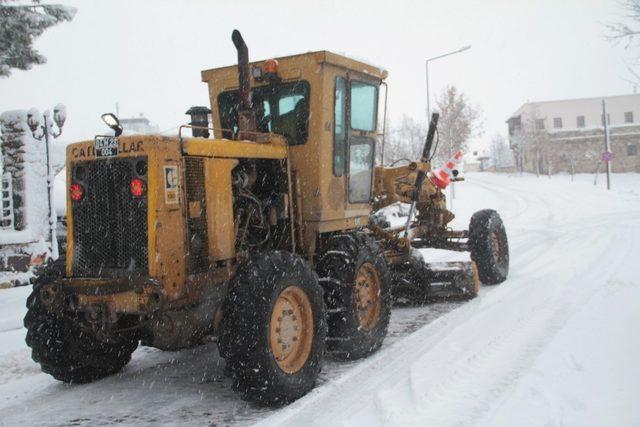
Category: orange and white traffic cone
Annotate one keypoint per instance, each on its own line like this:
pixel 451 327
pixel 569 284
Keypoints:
pixel 442 177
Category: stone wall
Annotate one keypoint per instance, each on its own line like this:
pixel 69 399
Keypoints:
pixel 578 151
pixel 12 127
pixel 24 158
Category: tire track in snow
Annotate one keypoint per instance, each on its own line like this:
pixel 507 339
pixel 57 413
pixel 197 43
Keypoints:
pixel 471 382
pixel 477 384
pixel 461 387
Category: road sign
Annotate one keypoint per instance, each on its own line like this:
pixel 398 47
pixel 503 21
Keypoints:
pixel 606 156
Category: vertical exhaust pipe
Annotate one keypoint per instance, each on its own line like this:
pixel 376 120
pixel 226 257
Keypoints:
pixel 246 114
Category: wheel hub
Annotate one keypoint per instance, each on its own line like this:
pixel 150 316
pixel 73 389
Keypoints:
pixel 368 300
pixel 291 329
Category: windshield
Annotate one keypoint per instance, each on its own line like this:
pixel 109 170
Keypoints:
pixel 280 108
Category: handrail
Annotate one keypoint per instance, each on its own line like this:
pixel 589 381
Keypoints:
pixel 225 130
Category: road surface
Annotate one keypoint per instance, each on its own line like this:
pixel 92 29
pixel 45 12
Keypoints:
pixel 557 343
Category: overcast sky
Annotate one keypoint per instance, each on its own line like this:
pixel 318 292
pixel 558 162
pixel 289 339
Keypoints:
pixel 147 55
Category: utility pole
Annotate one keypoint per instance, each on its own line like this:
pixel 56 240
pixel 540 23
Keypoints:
pixel 453 190
pixel 607 144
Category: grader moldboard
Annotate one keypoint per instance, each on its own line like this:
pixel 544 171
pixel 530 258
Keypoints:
pixel 262 235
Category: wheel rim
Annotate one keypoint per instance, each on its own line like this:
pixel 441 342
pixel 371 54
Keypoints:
pixel 368 299
pixel 497 246
pixel 291 329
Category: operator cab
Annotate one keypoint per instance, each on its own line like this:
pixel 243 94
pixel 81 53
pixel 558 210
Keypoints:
pixel 326 107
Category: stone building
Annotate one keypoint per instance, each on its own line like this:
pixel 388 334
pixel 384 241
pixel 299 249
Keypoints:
pixel 568 135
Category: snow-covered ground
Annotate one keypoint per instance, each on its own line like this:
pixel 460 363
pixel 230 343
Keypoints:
pixel 556 344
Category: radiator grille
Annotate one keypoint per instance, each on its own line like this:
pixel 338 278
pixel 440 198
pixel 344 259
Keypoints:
pixel 109 224
pixel 196 215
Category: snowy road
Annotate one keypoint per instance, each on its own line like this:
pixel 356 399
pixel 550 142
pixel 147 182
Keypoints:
pixel 555 344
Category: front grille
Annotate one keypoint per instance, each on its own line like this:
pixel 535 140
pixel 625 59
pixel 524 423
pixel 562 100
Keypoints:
pixel 109 224
pixel 196 215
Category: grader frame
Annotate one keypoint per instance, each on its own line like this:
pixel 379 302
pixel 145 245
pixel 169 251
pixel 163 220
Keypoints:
pixel 261 236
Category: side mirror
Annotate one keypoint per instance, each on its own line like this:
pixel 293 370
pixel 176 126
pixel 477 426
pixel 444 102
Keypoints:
pixel 112 121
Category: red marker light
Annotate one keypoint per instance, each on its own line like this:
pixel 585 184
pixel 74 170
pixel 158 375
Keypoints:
pixel 137 187
pixel 271 66
pixel 76 191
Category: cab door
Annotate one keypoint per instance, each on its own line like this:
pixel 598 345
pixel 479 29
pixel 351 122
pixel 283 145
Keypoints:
pixel 362 102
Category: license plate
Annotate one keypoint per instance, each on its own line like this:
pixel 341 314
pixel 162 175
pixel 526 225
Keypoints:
pixel 106 146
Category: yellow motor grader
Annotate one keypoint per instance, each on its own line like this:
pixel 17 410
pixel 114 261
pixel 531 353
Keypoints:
pixel 258 230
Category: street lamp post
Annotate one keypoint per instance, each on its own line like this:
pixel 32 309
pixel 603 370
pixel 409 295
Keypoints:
pixel 462 49
pixel 46 132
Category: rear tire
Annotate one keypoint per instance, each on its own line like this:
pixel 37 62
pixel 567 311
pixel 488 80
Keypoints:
pixel 357 283
pixel 62 347
pixel 489 246
pixel 273 329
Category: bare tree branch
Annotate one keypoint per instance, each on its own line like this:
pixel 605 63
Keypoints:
pixel 626 32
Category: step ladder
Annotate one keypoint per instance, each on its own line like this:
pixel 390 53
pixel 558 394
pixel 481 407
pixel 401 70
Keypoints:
pixel 6 215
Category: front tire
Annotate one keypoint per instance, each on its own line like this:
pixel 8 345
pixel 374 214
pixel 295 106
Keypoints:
pixel 62 347
pixel 274 328
pixel 489 246
pixel 357 282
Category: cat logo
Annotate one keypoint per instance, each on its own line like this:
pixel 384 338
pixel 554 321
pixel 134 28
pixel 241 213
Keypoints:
pixel 171 184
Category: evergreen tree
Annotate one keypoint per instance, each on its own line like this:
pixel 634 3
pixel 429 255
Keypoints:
pixel 20 25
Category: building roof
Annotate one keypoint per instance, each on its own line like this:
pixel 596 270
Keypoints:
pixel 577 100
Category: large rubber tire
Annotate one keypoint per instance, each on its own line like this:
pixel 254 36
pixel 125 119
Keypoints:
pixel 254 293
pixel 63 348
pixel 345 256
pixel 489 246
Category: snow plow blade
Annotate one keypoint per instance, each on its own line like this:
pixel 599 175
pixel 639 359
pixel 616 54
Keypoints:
pixel 420 282
pixel 452 279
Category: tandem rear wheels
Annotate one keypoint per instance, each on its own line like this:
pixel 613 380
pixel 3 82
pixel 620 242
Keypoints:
pixel 357 284
pixel 275 324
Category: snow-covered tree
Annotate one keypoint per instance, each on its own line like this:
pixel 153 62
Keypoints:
pixel 459 121
pixel 499 151
pixel 404 141
pixel 20 24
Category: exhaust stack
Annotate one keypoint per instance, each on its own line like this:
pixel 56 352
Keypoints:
pixel 246 114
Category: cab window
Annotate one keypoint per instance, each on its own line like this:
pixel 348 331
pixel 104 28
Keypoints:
pixel 339 125
pixel 364 101
pixel 360 169
pixel 280 108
